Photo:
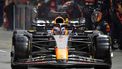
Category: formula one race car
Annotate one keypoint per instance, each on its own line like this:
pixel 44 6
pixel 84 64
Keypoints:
pixel 61 43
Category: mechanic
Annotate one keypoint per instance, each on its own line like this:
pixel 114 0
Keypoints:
pixel 116 26
pixel 42 9
pixel 119 11
pixel 72 9
pixel 9 14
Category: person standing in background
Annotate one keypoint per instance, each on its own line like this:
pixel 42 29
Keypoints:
pixel 42 9
pixel 9 14
pixel 1 12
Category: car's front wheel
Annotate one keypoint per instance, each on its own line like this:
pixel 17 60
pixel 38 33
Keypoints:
pixel 103 51
pixel 20 49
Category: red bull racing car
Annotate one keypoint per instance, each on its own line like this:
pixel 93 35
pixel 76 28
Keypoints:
pixel 60 43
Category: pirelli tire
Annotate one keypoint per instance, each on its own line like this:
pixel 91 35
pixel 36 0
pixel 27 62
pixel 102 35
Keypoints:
pixel 20 48
pixel 103 51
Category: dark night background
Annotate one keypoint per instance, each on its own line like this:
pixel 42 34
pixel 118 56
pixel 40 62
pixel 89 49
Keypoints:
pixel 1 11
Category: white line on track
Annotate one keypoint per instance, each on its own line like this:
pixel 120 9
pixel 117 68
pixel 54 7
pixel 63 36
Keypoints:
pixel 2 51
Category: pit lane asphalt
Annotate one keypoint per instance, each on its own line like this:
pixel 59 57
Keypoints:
pixel 5 47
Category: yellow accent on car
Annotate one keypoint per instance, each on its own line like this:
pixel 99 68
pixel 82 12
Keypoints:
pixel 59 17
pixel 66 32
pixel 67 21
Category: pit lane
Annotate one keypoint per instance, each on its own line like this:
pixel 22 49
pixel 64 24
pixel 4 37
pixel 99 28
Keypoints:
pixel 5 47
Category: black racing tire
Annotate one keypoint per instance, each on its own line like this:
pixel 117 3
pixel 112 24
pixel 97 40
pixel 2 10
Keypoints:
pixel 21 50
pixel 21 44
pixel 107 60
pixel 18 67
pixel 103 51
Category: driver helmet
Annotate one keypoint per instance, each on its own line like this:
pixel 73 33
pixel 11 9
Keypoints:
pixel 56 29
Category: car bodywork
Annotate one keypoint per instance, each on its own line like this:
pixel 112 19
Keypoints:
pixel 62 43
pixel 79 48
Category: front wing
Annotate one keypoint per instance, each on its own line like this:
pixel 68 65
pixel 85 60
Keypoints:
pixel 69 64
